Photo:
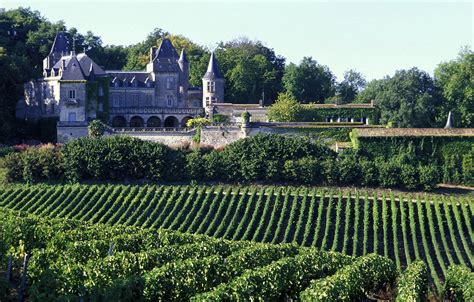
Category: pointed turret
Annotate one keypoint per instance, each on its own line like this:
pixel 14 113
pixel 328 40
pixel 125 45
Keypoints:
pixel 183 74
pixel 213 71
pixel 450 121
pixel 183 58
pixel 59 48
pixel 212 86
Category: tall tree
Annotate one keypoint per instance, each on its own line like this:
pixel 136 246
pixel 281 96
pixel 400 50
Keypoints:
pixel 455 81
pixel 353 83
pixel 408 99
pixel 309 81
pixel 251 70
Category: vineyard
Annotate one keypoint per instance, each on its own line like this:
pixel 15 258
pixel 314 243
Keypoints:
pixel 402 228
pixel 73 261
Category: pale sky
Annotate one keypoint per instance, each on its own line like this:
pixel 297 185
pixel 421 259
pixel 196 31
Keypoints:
pixel 373 37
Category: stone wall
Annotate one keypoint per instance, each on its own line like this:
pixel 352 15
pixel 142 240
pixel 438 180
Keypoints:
pixel 167 138
pixel 221 136
pixel 67 133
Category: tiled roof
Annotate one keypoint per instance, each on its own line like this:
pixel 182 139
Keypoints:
pixel 350 105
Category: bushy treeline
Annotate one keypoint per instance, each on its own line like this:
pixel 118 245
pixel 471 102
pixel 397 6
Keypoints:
pixel 273 158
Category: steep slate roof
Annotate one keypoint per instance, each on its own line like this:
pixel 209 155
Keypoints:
pixel 60 44
pixel 127 76
pixel 166 50
pixel 73 70
pixel 213 71
pixel 78 67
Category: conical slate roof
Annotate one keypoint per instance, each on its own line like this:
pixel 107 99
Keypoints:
pixel 60 44
pixel 450 121
pixel 213 71
pixel 183 58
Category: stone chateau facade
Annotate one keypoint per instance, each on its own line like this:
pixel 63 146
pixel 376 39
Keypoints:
pixel 76 90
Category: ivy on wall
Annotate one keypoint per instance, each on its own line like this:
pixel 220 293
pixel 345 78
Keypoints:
pixel 453 154
pixel 94 99
pixel 314 114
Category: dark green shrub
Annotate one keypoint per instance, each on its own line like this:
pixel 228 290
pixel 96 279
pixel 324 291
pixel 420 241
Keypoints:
pixel 248 159
pixel 369 173
pixel 409 176
pixel 195 165
pixel 459 284
pixel 96 128
pixel 349 169
pixel 213 165
pixel 330 171
pixel 34 164
pixel 429 176
pixel 305 170
pixel 120 157
pixel 413 283
pixel 389 173
pixel 5 150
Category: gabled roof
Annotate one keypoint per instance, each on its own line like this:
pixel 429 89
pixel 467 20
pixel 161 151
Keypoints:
pixel 73 70
pixel 213 71
pixel 78 67
pixel 60 44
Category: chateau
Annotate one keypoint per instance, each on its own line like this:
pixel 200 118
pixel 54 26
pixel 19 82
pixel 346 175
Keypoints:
pixel 76 90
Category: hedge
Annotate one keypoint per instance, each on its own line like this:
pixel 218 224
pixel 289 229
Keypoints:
pixel 459 283
pixel 367 274
pixel 264 157
pixel 413 283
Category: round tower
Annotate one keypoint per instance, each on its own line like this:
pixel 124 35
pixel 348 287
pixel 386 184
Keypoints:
pixel 212 85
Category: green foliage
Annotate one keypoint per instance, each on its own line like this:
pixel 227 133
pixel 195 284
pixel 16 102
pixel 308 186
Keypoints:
pixel 413 283
pixel 459 283
pixel 197 122
pixel 285 109
pixel 250 69
pixel 35 164
pixel 220 118
pixel 249 159
pixel 353 282
pixel 407 99
pixel 454 81
pixel 353 83
pixel 305 170
pixel 5 150
pixel 118 157
pixel 96 129
pixel 309 81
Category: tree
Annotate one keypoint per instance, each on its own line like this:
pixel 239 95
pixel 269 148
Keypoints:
pixel 408 99
pixel 252 71
pixel 285 109
pixel 309 81
pixel 353 83
pixel 455 81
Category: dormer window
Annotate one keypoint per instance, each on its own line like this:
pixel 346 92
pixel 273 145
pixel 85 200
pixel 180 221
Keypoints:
pixel 72 94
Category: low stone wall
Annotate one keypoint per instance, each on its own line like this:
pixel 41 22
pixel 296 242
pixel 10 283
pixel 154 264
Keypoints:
pixel 167 138
pixel 221 136
pixel 67 133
